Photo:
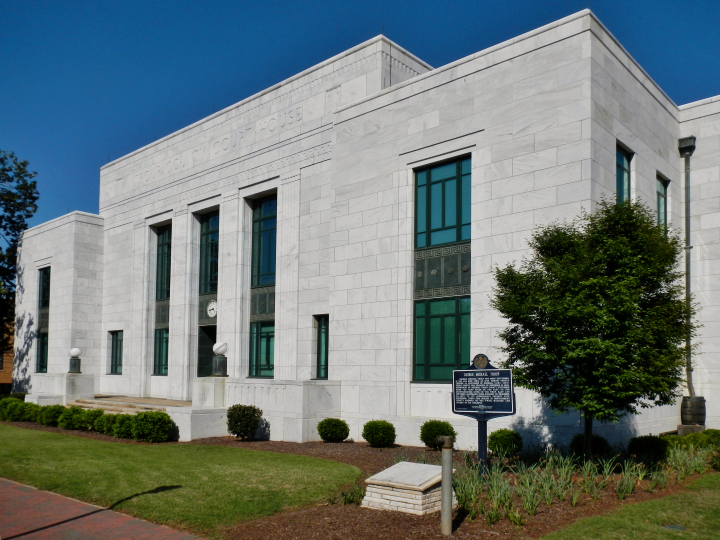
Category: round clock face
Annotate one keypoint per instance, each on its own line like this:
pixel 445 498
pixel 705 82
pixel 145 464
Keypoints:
pixel 212 308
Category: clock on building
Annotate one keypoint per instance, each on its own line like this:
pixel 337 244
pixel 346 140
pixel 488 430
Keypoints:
pixel 212 308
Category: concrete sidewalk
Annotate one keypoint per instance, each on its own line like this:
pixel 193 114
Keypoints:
pixel 28 513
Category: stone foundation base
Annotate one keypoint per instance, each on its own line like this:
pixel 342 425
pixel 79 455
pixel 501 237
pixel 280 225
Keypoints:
pixel 404 500
pixel 687 430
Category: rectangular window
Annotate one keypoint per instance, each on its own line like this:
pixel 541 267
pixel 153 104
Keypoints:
pixel 42 353
pixel 442 197
pixel 442 338
pixel 44 288
pixel 262 349
pixel 160 359
pixel 116 352
pixel 264 229
pixel 661 188
pixel 209 243
pixel 162 281
pixel 622 179
pixel 322 322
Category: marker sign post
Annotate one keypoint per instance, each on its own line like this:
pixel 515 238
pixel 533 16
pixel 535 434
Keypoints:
pixel 483 392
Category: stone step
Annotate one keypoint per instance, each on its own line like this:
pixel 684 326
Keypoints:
pixel 116 406
pixel 106 408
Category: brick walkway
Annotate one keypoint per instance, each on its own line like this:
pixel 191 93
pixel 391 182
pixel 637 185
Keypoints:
pixel 28 513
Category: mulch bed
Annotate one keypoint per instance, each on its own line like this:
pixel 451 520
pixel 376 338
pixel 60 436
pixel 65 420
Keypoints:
pixel 337 522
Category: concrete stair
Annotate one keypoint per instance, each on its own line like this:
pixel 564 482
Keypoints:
pixel 115 407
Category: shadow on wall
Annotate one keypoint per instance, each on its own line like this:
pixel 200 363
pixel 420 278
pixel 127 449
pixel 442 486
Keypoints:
pixel 25 335
pixel 263 432
pixel 548 428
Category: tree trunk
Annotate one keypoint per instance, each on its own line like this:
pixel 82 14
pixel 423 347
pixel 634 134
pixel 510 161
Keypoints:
pixel 587 439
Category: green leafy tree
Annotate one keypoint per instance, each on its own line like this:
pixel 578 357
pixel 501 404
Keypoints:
pixel 18 198
pixel 597 315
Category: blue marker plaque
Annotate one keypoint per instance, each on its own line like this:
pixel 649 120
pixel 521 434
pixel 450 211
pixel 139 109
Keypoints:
pixel 483 392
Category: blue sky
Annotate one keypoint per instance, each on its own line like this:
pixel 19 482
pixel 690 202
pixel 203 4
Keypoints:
pixel 84 83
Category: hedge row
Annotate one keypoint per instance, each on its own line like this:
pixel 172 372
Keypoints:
pixel 149 426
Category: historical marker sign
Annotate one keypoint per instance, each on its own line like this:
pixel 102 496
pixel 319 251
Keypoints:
pixel 483 392
pixel 488 391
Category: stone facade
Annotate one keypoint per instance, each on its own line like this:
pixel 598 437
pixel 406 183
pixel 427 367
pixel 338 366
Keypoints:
pixel 540 117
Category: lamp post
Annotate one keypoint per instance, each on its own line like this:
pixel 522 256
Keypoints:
pixel 75 360
pixel 219 361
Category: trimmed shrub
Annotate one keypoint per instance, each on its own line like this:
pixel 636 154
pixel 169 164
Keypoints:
pixel 713 436
pixel 600 446
pixel 50 414
pixel 432 429
pixel 379 433
pixel 104 424
pixel 698 440
pixel 243 420
pixel 89 418
pixel 673 440
pixel 122 429
pixel 4 404
pixel 333 430
pixel 648 448
pixel 72 418
pixel 31 412
pixel 13 395
pixel 152 426
pixel 505 441
pixel 14 410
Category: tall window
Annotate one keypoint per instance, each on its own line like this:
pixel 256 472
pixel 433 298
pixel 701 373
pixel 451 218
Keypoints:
pixel 322 322
pixel 164 241
pixel 209 242
pixel 264 237
pixel 622 174
pixel 42 352
pixel 661 189
pixel 442 338
pixel 443 204
pixel 160 361
pixel 44 288
pixel 116 352
pixel 262 349
pixel 43 320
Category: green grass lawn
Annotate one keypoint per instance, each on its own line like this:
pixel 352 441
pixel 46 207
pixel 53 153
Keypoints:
pixel 197 487
pixel 698 511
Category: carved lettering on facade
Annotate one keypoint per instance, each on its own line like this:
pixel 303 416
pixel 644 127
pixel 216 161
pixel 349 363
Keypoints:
pixel 165 167
pixel 279 121
pixel 229 142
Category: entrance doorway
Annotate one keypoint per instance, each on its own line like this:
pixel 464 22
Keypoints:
pixel 207 337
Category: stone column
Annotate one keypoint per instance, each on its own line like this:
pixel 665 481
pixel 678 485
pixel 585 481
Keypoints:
pixel 228 316
pixel 140 304
pixel 286 285
pixel 181 323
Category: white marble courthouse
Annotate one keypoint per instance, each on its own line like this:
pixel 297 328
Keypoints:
pixel 339 231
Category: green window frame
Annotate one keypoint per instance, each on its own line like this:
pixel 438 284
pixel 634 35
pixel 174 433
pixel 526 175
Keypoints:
pixel 442 204
pixel 661 188
pixel 323 325
pixel 262 349
pixel 162 275
pixel 41 365
pixel 160 358
pixel 264 227
pixel 442 338
pixel 116 352
pixel 209 249
pixel 622 174
pixel 44 288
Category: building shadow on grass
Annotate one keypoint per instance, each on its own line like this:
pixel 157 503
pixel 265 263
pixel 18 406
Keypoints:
pixel 159 489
